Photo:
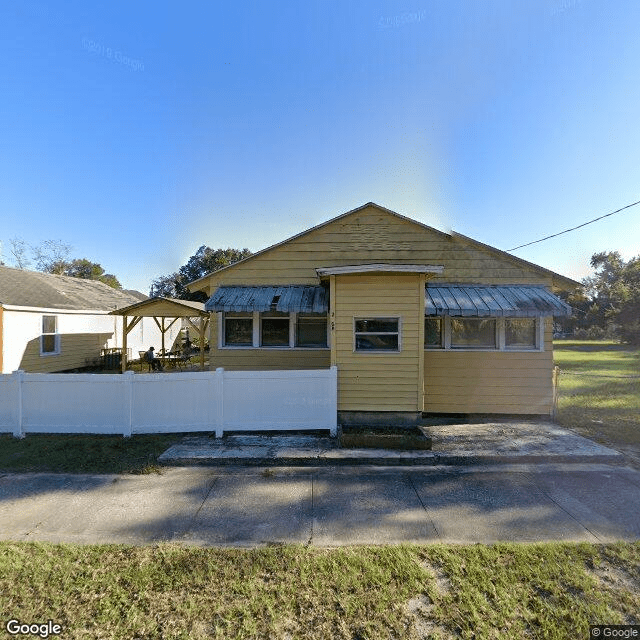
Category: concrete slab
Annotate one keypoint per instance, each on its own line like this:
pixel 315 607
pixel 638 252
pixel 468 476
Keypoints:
pixel 368 508
pixel 92 509
pixel 326 506
pixel 492 507
pixel 251 509
pixel 608 507
pixel 453 444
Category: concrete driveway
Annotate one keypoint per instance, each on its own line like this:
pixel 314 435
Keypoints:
pixel 327 506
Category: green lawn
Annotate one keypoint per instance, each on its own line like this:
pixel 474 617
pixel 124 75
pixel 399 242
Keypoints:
pixel 83 453
pixel 599 392
pixel 504 591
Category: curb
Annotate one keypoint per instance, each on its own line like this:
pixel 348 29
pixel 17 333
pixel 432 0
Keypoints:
pixel 386 460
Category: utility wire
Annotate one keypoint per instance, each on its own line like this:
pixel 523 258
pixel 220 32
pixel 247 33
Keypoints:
pixel 584 224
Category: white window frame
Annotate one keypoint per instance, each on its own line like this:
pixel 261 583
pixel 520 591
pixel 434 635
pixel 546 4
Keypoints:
pixel 378 351
pixel 55 334
pixel 538 333
pixel 269 315
pixel 496 336
pixel 294 336
pixel 257 317
pixel 230 315
pixel 500 337
pixel 431 347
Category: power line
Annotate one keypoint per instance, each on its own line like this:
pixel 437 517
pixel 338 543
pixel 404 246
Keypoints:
pixel 584 224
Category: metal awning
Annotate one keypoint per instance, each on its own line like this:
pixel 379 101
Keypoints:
pixel 285 298
pixel 515 301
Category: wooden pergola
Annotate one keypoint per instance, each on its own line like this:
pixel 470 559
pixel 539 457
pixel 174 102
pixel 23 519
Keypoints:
pixel 165 312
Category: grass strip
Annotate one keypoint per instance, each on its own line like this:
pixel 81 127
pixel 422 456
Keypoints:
pixel 83 453
pixel 551 590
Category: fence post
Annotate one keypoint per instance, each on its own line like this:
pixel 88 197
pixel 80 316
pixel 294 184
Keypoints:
pixel 554 408
pixel 18 431
pixel 220 403
pixel 127 379
pixel 333 430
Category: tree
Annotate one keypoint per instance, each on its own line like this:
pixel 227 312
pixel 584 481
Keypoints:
pixel 87 270
pixel 614 292
pixel 51 256
pixel 204 261
pixel 18 248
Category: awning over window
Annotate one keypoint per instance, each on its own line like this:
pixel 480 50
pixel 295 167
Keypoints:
pixel 515 301
pixel 286 298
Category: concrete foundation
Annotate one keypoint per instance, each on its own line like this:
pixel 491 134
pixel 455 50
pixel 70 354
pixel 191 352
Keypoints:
pixel 379 419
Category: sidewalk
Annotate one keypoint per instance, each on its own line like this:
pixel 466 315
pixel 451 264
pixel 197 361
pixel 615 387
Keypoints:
pixel 458 444
pixel 521 482
pixel 326 506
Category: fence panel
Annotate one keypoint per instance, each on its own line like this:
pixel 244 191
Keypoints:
pixel 8 402
pixel 74 403
pixel 164 403
pixel 161 403
pixel 273 400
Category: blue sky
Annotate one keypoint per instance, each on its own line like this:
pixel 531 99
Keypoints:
pixel 137 132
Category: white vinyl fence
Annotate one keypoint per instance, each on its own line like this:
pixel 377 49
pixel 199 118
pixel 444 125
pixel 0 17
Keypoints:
pixel 162 403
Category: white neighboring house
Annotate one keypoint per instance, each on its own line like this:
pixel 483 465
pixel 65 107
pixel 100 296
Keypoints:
pixel 56 323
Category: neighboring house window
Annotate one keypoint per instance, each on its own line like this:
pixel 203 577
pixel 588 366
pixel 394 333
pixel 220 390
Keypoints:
pixel 50 340
pixel 377 334
pixel 274 331
pixel 238 330
pixel 473 333
pixel 520 333
pixel 433 333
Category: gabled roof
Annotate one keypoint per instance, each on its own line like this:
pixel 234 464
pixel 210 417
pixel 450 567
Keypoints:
pixel 318 226
pixel 558 279
pixel 162 307
pixel 22 288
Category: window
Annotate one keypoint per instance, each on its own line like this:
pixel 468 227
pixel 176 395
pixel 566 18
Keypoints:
pixel 311 330
pixel 473 333
pixel 432 333
pixel 520 333
pixel 238 330
pixel 377 334
pixel 500 334
pixel 274 331
pixel 50 340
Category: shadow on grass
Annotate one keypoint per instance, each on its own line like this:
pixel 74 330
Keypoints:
pixel 84 453
pixel 591 347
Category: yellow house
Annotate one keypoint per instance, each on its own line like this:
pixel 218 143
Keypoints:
pixel 416 320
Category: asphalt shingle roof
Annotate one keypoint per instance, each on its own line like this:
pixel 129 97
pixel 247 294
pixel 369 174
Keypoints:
pixel 34 289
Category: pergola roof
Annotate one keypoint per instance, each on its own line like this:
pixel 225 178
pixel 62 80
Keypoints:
pixel 163 308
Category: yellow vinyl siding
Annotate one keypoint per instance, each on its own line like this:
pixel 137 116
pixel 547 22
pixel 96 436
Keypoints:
pixel 371 235
pixel 380 381
pixel 247 359
pixel 489 381
pixel 75 350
